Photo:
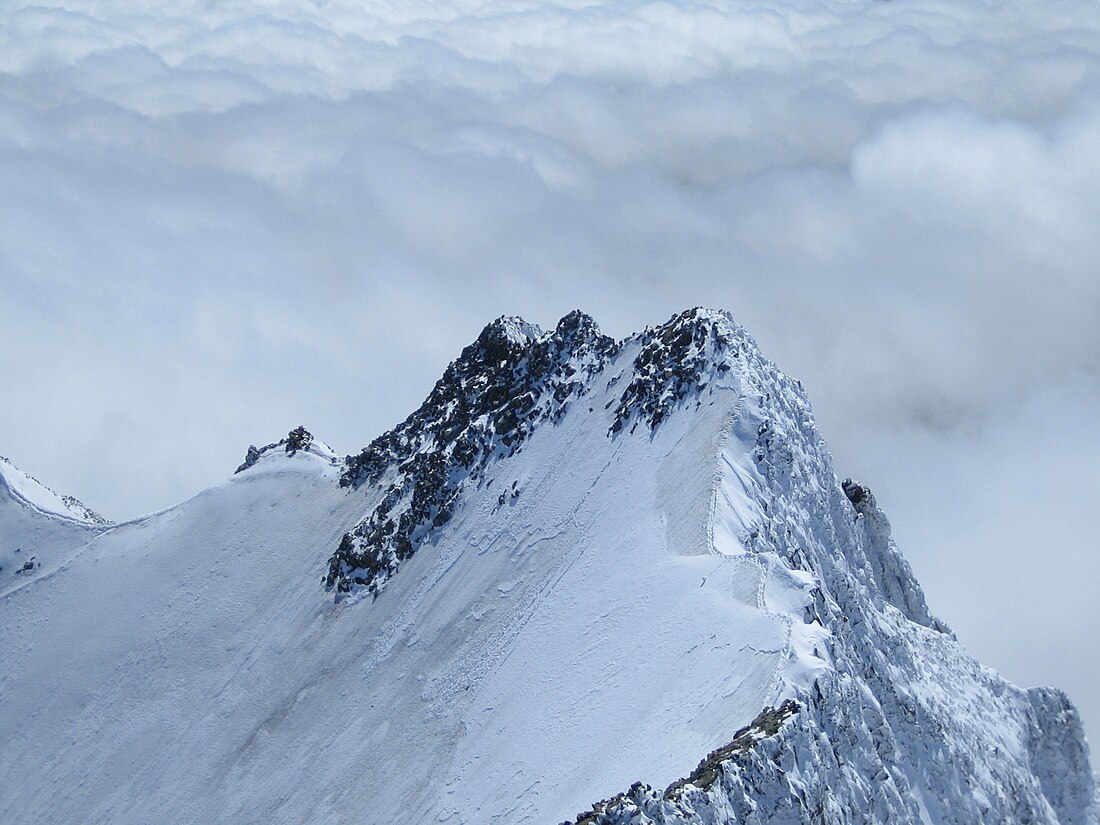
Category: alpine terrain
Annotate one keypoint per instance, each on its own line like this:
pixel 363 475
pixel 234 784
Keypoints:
pixel 588 581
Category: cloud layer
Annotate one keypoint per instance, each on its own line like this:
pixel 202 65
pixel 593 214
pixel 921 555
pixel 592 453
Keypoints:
pixel 218 221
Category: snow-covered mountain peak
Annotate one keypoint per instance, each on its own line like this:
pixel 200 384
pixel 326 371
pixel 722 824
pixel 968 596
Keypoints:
pixel 512 329
pixel 30 492
pixel 487 404
pixel 593 563
pixel 810 546
pixel 511 380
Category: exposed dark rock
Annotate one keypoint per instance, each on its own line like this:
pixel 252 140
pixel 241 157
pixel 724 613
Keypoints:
pixel 856 493
pixel 297 439
pixel 254 453
pixel 486 405
pixel 677 358
pixel 252 456
pixel 623 806
pixel 766 724
pixel 76 505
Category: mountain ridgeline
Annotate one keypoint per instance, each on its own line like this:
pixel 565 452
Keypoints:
pixel 488 402
pixel 876 738
pixel 588 581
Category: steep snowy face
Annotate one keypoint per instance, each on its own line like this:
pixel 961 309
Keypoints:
pixel 778 504
pixel 903 726
pixel 590 563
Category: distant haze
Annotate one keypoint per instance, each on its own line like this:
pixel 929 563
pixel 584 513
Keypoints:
pixel 219 221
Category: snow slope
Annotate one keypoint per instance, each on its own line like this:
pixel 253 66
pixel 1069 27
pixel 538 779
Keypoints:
pixel 533 610
pixel 39 529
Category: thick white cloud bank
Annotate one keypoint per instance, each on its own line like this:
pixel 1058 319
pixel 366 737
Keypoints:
pixel 218 221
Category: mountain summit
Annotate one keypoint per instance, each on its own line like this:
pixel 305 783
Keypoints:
pixel 582 570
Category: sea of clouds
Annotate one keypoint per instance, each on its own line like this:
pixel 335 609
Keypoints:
pixel 220 220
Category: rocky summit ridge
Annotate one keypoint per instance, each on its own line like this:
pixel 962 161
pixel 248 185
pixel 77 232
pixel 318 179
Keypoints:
pixel 489 401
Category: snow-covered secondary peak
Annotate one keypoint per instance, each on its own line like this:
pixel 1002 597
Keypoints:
pixel 29 491
pixel 598 570
pixel 40 529
pixel 298 441
pixel 515 330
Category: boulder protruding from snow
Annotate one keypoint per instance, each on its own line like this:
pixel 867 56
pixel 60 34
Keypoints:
pixel 297 440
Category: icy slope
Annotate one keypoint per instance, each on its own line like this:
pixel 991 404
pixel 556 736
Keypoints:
pixel 581 563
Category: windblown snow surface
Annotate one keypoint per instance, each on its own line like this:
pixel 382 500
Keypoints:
pixel 593 603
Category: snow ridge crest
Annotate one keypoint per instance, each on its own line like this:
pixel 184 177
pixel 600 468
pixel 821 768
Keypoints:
pixel 29 490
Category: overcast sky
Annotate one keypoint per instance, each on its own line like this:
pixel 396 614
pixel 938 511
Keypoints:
pixel 220 220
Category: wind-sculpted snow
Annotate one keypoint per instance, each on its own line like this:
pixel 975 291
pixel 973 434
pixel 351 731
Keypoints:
pixel 594 563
